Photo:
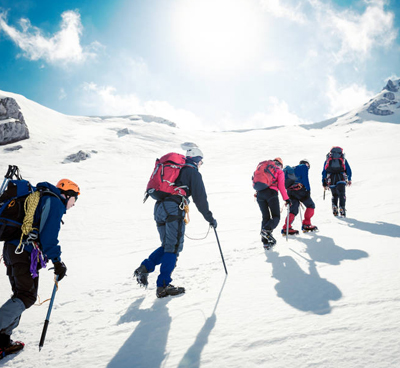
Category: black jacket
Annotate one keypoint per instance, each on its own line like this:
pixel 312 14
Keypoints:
pixel 191 178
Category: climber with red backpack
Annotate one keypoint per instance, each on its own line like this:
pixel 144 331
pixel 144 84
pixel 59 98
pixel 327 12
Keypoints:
pixel 174 179
pixel 267 180
pixel 336 174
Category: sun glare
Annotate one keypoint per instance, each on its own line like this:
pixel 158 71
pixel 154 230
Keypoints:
pixel 217 35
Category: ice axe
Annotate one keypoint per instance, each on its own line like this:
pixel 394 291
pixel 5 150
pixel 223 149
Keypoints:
pixel 47 320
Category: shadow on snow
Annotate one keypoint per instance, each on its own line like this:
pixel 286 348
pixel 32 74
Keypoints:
pixel 309 292
pixel 377 228
pixel 304 291
pixel 323 249
pixel 191 359
pixel 146 346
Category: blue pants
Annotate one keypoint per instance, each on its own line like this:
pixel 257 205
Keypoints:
pixel 171 228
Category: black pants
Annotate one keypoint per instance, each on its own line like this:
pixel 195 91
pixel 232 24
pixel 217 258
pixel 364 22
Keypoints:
pixel 297 196
pixel 339 194
pixel 24 287
pixel 268 202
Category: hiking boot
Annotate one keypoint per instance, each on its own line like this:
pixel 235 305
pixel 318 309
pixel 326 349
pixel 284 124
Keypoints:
pixel 162 292
pixel 335 210
pixel 268 240
pixel 12 348
pixel 290 232
pixel 141 275
pixel 307 228
pixel 342 211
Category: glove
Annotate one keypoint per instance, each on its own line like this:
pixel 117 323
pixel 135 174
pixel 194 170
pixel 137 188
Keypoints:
pixel 349 183
pixel 60 270
pixel 213 223
pixel 288 202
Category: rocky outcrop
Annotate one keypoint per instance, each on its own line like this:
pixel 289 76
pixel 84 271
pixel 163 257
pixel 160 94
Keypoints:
pixel 12 123
pixel 391 86
pixel 376 107
pixel 79 156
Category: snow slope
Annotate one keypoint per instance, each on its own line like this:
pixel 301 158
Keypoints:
pixel 318 300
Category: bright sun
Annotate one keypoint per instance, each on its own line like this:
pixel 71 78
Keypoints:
pixel 217 35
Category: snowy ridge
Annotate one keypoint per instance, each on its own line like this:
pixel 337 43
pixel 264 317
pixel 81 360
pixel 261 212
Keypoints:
pixel 384 108
pixel 318 300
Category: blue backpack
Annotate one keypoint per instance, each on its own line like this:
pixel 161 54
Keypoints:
pixel 290 176
pixel 13 194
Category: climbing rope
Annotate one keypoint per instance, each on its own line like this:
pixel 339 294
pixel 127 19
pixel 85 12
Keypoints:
pixel 200 238
pixel 39 303
pixel 30 205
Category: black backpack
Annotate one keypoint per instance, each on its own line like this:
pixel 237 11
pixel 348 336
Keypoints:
pixel 335 161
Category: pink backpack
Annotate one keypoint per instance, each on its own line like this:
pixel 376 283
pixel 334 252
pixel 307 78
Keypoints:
pixel 265 175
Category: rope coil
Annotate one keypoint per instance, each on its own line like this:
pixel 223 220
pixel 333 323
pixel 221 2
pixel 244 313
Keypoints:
pixel 30 205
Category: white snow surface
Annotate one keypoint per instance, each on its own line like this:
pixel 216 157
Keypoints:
pixel 329 299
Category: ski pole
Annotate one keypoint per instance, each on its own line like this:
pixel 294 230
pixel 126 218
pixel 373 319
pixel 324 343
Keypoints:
pixel 287 223
pixel 47 320
pixel 301 217
pixel 324 193
pixel 220 250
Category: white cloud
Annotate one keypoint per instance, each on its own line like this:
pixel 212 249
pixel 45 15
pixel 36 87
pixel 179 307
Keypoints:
pixel 279 10
pixel 63 47
pixel 276 114
pixel 105 100
pixel 357 33
pixel 345 98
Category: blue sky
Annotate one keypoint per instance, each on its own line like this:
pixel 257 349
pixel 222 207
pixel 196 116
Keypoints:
pixel 218 64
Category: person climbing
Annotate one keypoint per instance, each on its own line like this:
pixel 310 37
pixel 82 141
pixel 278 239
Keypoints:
pixel 299 191
pixel 267 180
pixel 169 216
pixel 336 175
pixel 23 260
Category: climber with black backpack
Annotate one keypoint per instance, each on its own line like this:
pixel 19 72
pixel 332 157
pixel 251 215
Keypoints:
pixel 336 174
pixel 174 179
pixel 299 191
pixel 267 180
pixel 30 244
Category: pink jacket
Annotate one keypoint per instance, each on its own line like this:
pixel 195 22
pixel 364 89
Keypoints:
pixel 281 184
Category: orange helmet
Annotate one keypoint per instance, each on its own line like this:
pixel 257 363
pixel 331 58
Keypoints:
pixel 68 186
pixel 278 159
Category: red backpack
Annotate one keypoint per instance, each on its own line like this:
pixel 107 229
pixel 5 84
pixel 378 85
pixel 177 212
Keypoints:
pixel 162 180
pixel 265 175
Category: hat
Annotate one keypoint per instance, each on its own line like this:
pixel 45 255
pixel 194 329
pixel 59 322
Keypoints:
pixel 194 152
pixel 278 159
pixel 304 162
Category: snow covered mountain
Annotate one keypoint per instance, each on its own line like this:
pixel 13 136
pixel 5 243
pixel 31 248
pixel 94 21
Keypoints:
pixel 318 300
pixel 384 108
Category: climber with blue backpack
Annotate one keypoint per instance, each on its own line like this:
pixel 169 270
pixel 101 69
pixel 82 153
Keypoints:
pixel 299 192
pixel 336 175
pixel 175 178
pixel 30 244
